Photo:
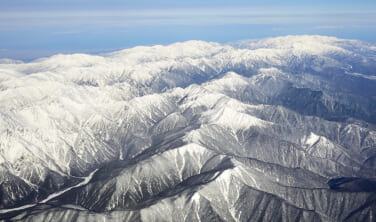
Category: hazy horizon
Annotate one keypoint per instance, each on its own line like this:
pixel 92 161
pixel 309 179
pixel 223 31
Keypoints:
pixel 41 28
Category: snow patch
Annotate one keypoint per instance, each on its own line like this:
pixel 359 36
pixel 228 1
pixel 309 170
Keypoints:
pixel 312 139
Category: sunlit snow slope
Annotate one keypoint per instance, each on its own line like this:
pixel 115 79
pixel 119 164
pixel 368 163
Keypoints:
pixel 279 129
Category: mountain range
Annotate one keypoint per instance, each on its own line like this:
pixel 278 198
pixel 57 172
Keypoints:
pixel 276 129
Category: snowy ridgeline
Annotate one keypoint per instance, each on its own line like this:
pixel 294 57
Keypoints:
pixel 196 128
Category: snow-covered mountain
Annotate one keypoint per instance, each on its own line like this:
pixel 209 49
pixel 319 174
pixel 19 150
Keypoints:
pixel 277 129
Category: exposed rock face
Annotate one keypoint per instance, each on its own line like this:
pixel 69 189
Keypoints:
pixel 278 129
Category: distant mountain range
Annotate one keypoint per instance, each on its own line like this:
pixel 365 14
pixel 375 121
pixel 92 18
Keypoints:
pixel 278 129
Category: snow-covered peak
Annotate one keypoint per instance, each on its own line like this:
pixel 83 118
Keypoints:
pixel 231 82
pixel 232 119
pixel 178 50
pixel 312 139
pixel 68 61
pixel 286 41
pixel 303 45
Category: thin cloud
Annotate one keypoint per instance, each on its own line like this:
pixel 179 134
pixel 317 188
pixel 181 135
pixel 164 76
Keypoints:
pixel 330 27
pixel 68 32
pixel 190 16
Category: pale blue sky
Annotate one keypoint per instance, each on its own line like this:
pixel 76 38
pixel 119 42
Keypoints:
pixel 35 28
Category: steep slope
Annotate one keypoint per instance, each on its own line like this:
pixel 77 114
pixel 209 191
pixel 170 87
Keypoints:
pixel 274 129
